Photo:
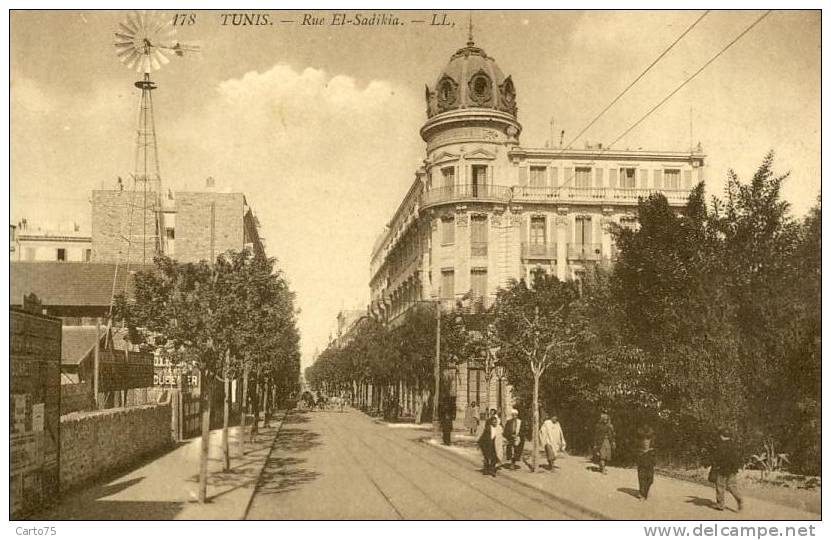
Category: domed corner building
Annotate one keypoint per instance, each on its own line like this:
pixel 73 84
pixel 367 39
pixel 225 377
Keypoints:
pixel 484 210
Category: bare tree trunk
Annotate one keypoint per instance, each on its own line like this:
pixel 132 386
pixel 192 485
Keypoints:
pixel 205 404
pixel 255 399
pixel 244 405
pixel 226 411
pixel 536 428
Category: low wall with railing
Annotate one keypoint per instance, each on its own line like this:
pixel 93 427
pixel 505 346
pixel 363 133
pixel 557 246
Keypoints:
pixel 97 443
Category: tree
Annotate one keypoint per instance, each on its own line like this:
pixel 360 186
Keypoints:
pixel 174 306
pixel 538 329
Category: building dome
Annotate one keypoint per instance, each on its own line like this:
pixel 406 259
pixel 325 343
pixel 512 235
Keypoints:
pixel 471 80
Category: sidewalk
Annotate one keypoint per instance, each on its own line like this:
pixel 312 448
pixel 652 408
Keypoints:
pixel 166 487
pixel 614 495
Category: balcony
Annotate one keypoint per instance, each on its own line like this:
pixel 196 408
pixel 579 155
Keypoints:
pixel 467 192
pixel 561 195
pixel 531 251
pixel 584 252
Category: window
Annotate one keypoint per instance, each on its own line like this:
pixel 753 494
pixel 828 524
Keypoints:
pixel 538 177
pixel 583 230
pixel 448 176
pixel 537 236
pixel 627 178
pixel 87 255
pixel 478 236
pixel 479 282
pixel 478 179
pixel 448 231
pixel 448 285
pixel 61 254
pixel 170 232
pixel 672 178
pixel 583 177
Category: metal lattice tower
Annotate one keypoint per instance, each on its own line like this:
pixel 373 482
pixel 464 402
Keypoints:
pixel 147 181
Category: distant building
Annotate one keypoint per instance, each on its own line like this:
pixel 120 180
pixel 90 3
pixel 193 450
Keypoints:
pixel 198 226
pixel 347 325
pixel 63 243
pixel 483 210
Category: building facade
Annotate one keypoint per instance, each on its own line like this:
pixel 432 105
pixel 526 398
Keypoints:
pixel 64 243
pixel 484 210
pixel 197 226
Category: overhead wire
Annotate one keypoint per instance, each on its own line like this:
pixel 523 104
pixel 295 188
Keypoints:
pixel 638 78
pixel 675 91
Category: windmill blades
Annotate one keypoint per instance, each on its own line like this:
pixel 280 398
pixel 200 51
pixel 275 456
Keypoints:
pixel 134 20
pixel 160 58
pixel 130 60
pixel 128 27
pixel 154 64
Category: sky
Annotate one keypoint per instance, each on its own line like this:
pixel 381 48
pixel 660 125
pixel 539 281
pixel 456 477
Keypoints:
pixel 318 125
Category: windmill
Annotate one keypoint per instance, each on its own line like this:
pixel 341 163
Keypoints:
pixel 143 42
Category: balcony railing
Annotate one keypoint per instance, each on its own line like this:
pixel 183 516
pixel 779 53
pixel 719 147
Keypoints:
pixel 466 192
pixel 539 251
pixel 584 252
pixel 568 194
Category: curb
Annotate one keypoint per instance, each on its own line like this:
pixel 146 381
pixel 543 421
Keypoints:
pixel 262 468
pixel 565 502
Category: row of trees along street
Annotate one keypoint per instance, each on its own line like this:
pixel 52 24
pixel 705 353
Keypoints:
pixel 710 317
pixel 234 319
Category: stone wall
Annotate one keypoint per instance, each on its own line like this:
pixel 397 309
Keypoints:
pixel 101 442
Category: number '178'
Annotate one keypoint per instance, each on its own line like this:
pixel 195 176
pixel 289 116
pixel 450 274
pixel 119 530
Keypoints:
pixel 184 19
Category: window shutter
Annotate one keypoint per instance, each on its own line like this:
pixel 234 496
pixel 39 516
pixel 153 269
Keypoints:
pixel 658 178
pixel 598 177
pixel 644 178
pixel 568 176
pixel 688 179
pixel 523 176
pixel 554 176
pixel 612 178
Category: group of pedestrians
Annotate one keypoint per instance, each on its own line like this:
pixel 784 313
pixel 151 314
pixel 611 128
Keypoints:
pixel 502 447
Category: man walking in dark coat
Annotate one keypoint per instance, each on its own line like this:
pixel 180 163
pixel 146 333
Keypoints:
pixel 726 462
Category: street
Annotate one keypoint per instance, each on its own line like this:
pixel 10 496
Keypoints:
pixel 342 465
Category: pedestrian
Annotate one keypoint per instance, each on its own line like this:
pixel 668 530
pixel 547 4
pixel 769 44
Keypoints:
pixel 646 461
pixel 498 439
pixel 487 443
pixel 604 441
pixel 472 418
pixel 514 441
pixel 726 462
pixel 552 439
pixel 447 413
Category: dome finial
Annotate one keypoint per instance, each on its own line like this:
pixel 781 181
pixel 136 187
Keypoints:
pixel 470 28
